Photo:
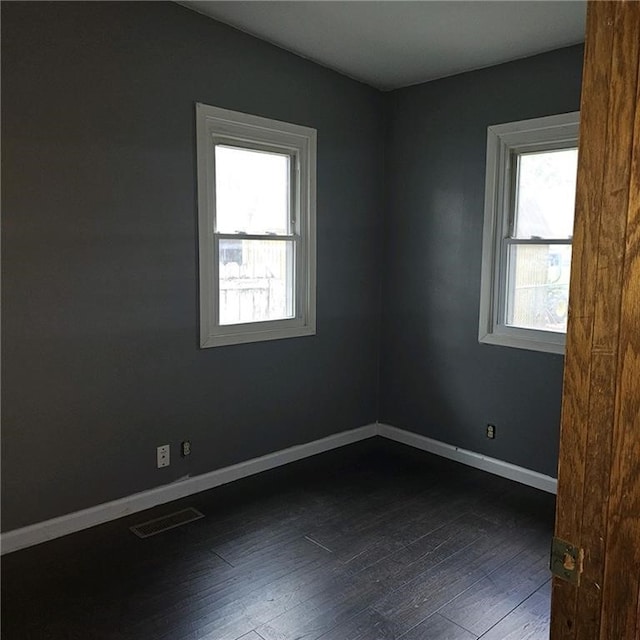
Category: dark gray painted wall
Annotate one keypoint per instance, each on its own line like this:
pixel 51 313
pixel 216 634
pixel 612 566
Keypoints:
pixel 435 378
pixel 100 334
pixel 100 357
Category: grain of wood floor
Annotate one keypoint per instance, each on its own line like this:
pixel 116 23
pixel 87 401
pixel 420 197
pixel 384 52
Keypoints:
pixel 369 542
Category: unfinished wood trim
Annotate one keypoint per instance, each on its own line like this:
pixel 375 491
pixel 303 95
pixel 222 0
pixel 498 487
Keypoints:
pixel 577 372
pixel 595 439
pixel 622 561
pixel 604 348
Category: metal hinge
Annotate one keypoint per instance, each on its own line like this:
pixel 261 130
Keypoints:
pixel 566 561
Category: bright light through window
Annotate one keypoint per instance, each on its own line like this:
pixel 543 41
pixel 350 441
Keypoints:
pixel 538 273
pixel 546 194
pixel 539 286
pixel 256 278
pixel 252 191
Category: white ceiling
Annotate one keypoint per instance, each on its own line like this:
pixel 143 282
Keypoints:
pixel 395 43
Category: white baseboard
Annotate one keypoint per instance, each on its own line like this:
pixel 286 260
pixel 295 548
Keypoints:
pixel 471 458
pixel 72 522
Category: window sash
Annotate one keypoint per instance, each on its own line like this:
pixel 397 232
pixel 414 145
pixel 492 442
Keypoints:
pixel 296 229
pixel 297 290
pixel 297 286
pixel 513 170
pixel 506 276
pixel 505 270
pixel 294 223
pixel 294 219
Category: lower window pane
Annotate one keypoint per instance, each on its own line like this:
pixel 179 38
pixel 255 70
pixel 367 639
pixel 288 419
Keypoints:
pixel 538 286
pixel 256 280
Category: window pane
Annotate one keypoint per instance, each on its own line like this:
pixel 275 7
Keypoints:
pixel 256 280
pixel 538 286
pixel 546 194
pixel 252 191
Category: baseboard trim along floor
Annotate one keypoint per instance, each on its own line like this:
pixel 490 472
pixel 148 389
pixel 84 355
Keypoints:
pixel 72 522
pixel 470 458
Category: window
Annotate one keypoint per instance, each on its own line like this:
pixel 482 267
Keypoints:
pixel 528 228
pixel 256 217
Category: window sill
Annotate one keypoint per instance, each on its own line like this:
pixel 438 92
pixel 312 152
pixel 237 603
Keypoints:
pixel 225 339
pixel 523 342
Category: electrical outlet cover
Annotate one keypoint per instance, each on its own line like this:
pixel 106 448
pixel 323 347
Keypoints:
pixel 163 456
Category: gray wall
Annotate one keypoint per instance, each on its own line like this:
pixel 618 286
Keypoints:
pixel 100 336
pixel 435 378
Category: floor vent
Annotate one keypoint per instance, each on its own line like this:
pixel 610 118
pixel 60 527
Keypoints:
pixel 171 521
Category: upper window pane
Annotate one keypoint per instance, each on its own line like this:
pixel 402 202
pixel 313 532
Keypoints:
pixel 546 194
pixel 252 191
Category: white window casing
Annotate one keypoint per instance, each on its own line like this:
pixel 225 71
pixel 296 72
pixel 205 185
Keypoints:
pixel 225 128
pixel 504 143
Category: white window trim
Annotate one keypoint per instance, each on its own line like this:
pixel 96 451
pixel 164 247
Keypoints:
pixel 551 132
pixel 222 125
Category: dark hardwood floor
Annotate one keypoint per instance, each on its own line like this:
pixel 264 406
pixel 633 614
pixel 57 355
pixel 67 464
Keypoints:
pixel 373 541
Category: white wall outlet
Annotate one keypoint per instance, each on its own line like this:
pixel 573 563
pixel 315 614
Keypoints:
pixel 186 448
pixel 164 456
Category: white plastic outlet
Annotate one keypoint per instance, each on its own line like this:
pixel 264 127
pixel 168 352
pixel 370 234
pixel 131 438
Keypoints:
pixel 164 456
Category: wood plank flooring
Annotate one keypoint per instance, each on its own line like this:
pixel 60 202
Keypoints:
pixel 375 541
